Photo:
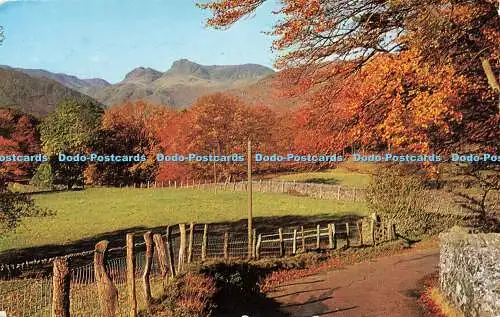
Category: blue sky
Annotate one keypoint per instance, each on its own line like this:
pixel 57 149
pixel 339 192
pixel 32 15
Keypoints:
pixel 108 38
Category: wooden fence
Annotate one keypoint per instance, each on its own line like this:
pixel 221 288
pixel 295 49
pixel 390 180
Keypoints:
pixel 121 286
pixel 322 191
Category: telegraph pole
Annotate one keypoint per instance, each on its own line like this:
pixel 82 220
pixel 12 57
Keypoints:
pixel 249 190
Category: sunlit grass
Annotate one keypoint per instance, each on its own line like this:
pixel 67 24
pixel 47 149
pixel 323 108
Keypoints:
pixel 86 213
pixel 338 176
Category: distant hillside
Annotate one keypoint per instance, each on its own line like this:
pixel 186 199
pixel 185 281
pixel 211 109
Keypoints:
pixel 34 95
pixel 267 91
pixel 182 84
pixel 84 86
pixel 178 87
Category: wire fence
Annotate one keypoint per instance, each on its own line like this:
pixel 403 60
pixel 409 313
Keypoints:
pixel 322 191
pixel 32 296
pixel 26 290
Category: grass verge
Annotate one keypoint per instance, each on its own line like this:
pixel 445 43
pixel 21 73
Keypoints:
pixel 434 301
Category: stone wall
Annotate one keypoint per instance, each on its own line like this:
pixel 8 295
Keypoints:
pixel 470 271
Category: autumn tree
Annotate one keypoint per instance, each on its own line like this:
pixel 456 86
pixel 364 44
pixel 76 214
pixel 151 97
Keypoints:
pixel 18 136
pixel 128 129
pixel 455 39
pixel 70 129
pixel 173 139
pixel 216 124
pixel 403 75
pixel 221 124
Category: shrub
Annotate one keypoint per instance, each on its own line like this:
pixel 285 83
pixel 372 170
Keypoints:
pixel 401 193
pixel 189 295
pixel 43 177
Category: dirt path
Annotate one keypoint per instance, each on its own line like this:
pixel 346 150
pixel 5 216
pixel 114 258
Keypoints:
pixel 382 287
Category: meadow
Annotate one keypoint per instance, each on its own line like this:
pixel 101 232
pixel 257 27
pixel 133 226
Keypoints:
pixel 349 174
pixel 93 211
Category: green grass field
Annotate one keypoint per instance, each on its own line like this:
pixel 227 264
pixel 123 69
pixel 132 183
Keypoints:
pixel 340 176
pixel 82 214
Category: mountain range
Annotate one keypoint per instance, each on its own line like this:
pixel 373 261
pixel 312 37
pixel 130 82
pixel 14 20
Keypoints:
pixel 37 91
pixel 32 94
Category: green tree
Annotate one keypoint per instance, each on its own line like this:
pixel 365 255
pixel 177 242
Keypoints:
pixel 69 130
pixel 15 206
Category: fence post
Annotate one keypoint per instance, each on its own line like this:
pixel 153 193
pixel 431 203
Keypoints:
pixel 334 236
pixel 162 257
pixel 147 269
pixel 182 246
pixel 393 229
pixel 170 252
pixel 390 233
pixel 303 238
pixel 347 234
pixel 282 186
pixel 330 236
pixel 360 230
pixel 338 192
pixel 254 242
pixel 204 243
pixel 60 288
pixel 372 228
pixel 226 245
pixel 294 243
pixel 108 294
pixel 318 236
pixel 282 244
pixel 175 184
pixel 257 248
pixel 132 300
pixel 190 245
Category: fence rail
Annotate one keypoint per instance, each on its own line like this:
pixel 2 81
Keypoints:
pixel 122 281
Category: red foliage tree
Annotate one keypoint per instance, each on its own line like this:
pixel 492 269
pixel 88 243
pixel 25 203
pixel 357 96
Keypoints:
pixel 129 129
pixel 18 136
pixel 409 74
pixel 217 124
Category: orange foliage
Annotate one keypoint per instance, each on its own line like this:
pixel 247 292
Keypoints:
pixel 218 124
pixel 401 74
pixel 129 129
pixel 18 136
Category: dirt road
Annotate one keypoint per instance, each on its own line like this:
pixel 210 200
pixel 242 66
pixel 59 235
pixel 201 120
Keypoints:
pixel 382 287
